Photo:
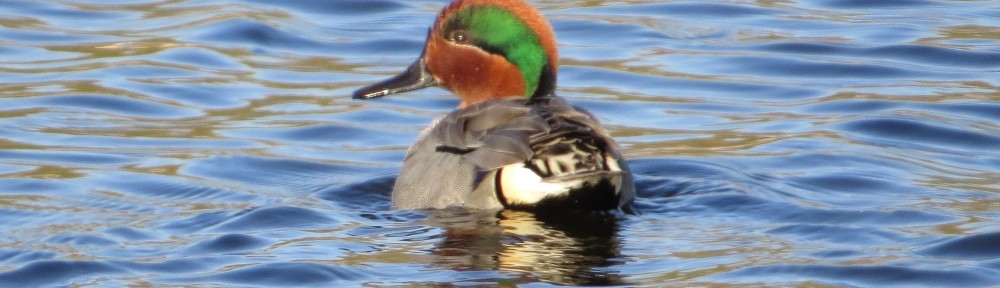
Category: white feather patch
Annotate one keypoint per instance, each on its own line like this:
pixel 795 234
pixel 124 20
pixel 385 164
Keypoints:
pixel 522 186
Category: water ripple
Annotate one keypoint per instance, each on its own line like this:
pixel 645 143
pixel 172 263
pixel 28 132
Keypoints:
pixel 55 273
pixel 907 132
pixel 973 247
pixel 774 143
pixel 866 275
pixel 910 54
pixel 275 218
pixel 228 243
pixel 281 274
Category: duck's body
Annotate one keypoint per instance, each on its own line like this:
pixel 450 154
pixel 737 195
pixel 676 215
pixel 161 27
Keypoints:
pixel 466 156
pixel 511 143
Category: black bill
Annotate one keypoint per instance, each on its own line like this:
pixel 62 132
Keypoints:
pixel 415 77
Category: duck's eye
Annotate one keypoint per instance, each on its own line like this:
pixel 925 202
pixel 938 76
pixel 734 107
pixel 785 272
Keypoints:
pixel 458 36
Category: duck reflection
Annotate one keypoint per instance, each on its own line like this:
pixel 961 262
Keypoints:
pixel 565 249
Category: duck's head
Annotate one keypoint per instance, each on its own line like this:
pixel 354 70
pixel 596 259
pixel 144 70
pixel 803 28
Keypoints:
pixel 482 50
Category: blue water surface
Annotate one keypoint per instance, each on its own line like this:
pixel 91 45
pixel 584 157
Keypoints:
pixel 209 143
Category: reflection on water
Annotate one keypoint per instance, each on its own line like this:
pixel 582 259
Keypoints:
pixel 774 143
pixel 562 249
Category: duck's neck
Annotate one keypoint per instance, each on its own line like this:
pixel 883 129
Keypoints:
pixel 467 103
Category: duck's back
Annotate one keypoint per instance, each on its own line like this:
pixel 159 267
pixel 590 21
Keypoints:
pixel 497 153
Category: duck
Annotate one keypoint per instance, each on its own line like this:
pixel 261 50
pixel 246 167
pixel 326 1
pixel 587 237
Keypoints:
pixel 511 143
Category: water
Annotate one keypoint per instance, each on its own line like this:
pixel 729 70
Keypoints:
pixel 775 143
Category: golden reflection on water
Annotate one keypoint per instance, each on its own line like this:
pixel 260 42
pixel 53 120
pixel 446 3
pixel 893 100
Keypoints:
pixel 49 172
pixel 949 33
pixel 563 249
